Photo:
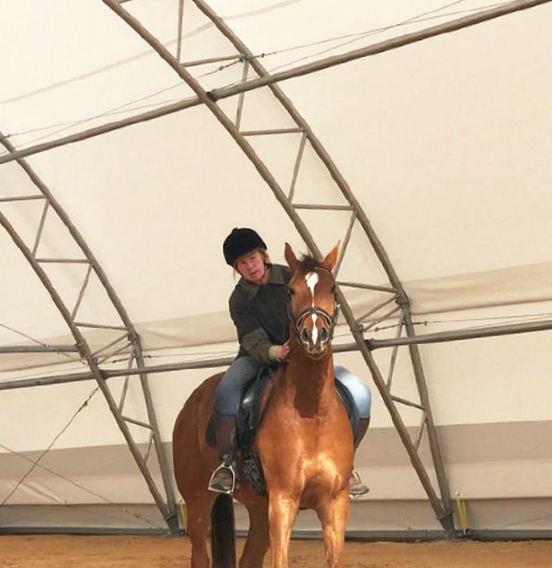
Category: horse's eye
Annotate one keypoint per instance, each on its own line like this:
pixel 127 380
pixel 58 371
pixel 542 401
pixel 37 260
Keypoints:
pixel 290 292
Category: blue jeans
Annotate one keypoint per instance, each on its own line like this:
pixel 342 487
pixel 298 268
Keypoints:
pixel 244 369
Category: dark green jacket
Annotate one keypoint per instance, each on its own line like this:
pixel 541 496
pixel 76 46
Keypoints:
pixel 260 314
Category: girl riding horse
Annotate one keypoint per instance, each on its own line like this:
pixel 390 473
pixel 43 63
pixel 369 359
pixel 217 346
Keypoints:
pixel 259 310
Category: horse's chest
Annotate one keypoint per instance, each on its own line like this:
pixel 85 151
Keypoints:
pixel 307 447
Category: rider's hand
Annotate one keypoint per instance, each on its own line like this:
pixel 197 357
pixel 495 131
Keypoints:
pixel 283 351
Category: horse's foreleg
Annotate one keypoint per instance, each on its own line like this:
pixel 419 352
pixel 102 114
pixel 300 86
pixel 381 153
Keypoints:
pixel 258 539
pixel 198 515
pixel 333 516
pixel 282 513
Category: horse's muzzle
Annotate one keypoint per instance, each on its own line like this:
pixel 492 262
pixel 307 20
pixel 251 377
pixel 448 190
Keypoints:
pixel 314 331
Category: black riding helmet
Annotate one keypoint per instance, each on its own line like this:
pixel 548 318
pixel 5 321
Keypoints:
pixel 239 242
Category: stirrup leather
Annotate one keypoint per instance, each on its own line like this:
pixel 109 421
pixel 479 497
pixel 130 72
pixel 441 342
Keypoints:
pixel 216 485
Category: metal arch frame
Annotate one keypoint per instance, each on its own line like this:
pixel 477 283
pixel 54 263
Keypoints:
pixel 263 81
pixel 442 506
pixel 218 363
pixel 168 507
pixel 443 509
pixel 503 10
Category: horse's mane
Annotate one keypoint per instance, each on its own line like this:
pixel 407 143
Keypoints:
pixel 308 263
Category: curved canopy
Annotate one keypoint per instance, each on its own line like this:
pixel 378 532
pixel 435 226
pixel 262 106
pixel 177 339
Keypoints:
pixel 125 162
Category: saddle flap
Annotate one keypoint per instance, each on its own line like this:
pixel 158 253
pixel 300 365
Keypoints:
pixel 350 407
pixel 252 405
pixel 250 411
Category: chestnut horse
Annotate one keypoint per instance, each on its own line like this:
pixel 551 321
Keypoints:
pixel 304 442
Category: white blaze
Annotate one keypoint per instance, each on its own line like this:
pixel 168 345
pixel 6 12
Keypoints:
pixel 312 279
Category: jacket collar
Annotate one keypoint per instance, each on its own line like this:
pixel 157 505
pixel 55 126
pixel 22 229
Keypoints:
pixel 275 276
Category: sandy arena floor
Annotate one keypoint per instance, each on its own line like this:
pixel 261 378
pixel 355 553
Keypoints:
pixel 166 552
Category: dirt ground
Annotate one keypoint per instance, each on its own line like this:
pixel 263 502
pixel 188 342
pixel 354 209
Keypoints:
pixel 167 552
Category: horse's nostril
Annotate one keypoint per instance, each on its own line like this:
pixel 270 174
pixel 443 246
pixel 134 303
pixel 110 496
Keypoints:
pixel 305 335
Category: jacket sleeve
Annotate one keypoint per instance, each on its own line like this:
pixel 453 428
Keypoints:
pixel 258 345
pixel 251 335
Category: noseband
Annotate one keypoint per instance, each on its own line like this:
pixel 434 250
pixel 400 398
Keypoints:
pixel 329 321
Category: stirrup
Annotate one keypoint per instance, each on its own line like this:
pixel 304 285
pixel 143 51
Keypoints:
pixel 356 487
pixel 219 484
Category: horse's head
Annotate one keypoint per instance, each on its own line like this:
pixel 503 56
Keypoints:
pixel 312 305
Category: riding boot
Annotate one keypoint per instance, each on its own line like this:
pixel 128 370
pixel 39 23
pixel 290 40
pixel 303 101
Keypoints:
pixel 223 479
pixel 356 487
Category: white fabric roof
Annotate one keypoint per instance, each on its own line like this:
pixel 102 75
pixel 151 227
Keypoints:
pixel 423 151
pixel 445 144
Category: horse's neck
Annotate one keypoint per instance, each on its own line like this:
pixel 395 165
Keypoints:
pixel 309 385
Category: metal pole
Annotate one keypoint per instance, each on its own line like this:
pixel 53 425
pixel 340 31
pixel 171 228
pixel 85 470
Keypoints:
pixel 76 377
pixel 86 354
pixel 43 381
pixel 381 47
pixel 447 519
pixel 444 514
pixel 169 510
pixel 263 171
pixel 371 344
pixel 162 457
pixel 459 335
pixel 180 26
pixel 326 63
pixel 440 509
pixel 39 349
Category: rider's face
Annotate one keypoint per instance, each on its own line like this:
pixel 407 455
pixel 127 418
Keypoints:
pixel 252 266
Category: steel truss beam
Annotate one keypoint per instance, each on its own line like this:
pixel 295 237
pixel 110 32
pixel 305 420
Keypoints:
pixel 39 349
pixel 225 92
pixel 441 504
pixel 371 344
pixel 128 340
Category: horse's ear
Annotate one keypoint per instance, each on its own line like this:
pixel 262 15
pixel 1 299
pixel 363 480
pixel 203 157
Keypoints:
pixel 291 259
pixel 331 258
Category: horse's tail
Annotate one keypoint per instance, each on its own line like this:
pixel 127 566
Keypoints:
pixel 223 545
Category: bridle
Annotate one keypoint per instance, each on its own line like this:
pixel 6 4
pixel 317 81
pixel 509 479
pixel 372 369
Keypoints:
pixel 329 321
pixel 299 320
